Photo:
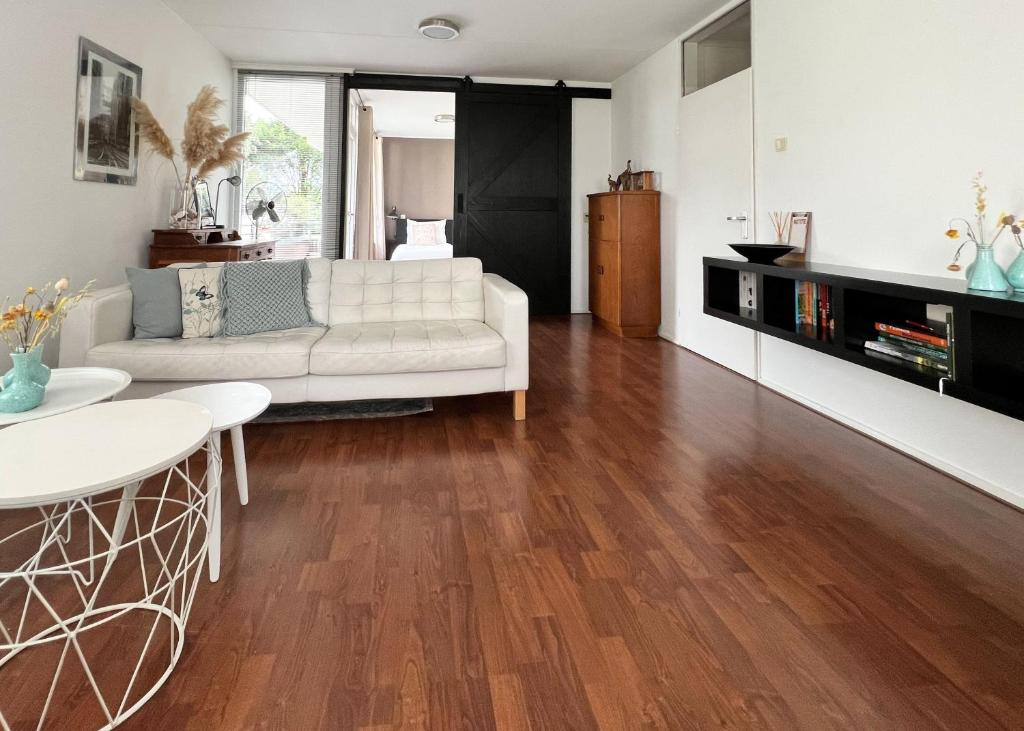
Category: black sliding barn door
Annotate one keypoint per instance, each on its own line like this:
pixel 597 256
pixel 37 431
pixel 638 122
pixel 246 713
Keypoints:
pixel 512 175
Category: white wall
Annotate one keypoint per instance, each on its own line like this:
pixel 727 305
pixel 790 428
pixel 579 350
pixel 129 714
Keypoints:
pixel 52 224
pixel 889 108
pixel 591 164
pixel 645 129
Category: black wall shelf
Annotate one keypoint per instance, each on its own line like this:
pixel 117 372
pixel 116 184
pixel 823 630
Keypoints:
pixel 987 343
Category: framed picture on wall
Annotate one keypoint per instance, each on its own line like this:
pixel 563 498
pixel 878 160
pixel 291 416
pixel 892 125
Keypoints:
pixel 106 139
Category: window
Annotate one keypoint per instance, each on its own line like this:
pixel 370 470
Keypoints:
pixel 293 158
pixel 718 51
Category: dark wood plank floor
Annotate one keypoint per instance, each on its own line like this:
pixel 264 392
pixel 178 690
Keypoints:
pixel 662 544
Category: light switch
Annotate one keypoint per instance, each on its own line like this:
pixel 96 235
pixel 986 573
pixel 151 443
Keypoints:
pixel 781 144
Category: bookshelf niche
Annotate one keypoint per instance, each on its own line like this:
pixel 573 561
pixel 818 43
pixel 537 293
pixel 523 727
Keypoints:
pixel 929 331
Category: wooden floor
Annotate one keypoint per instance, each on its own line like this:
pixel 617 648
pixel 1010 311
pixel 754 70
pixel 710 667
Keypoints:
pixel 662 544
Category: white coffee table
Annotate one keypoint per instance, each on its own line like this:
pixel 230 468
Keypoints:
pixel 232 405
pixel 73 388
pixel 66 467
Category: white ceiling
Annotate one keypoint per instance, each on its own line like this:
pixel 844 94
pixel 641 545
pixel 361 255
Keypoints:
pixel 575 40
pixel 410 113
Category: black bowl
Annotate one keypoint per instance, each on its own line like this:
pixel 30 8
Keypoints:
pixel 761 253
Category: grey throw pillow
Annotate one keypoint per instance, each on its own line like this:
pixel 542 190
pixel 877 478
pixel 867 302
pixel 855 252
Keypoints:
pixel 156 302
pixel 261 296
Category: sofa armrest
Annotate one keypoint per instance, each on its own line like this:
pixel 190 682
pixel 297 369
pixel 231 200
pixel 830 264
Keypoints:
pixel 507 311
pixel 104 316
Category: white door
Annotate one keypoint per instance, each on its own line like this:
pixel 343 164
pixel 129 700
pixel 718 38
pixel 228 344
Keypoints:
pixel 716 183
pixel 351 173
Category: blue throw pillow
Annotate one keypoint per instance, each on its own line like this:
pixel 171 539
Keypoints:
pixel 261 296
pixel 156 302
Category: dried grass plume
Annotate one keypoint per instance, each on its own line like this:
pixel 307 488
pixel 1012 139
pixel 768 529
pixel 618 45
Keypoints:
pixel 229 153
pixel 151 131
pixel 203 135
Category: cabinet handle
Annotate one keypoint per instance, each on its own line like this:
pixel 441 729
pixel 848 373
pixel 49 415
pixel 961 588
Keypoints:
pixel 259 253
pixel 600 269
pixel 601 217
pixel 269 252
pixel 245 255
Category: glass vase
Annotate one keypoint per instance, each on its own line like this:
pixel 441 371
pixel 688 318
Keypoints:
pixel 1015 274
pixel 984 274
pixel 22 393
pixel 38 371
pixel 181 210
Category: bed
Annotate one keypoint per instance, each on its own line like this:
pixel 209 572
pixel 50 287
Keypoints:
pixel 399 249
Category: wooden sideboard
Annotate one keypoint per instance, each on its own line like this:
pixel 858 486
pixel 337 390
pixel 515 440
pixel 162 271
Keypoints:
pixel 625 262
pixel 171 246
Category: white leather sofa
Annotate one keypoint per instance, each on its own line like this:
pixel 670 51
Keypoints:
pixel 405 329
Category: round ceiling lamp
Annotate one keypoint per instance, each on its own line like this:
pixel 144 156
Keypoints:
pixel 444 118
pixel 439 29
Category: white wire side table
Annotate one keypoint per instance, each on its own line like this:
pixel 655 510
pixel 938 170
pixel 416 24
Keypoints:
pixel 103 536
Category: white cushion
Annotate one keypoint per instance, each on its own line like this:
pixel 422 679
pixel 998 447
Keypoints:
pixel 407 347
pixel 405 291
pixel 318 289
pixel 278 354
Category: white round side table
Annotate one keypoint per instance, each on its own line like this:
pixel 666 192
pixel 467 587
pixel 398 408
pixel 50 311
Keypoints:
pixel 73 388
pixel 64 590
pixel 232 405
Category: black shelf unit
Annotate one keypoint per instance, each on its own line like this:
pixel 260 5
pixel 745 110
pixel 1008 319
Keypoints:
pixel 988 327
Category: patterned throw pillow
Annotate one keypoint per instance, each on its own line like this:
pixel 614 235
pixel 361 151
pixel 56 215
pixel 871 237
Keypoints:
pixel 201 305
pixel 422 234
pixel 263 296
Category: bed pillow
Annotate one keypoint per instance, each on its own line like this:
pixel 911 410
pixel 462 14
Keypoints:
pixel 264 295
pixel 202 306
pixel 156 302
pixel 440 237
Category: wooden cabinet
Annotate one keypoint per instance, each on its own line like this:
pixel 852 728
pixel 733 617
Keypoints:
pixel 625 262
pixel 172 246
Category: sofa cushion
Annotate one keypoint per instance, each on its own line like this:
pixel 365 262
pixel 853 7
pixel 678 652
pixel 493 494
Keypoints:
pixel 156 302
pixel 278 354
pixel 263 296
pixel 406 291
pixel 407 347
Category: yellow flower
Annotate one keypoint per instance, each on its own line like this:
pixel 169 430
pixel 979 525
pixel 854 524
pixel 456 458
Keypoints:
pixel 953 233
pixel 41 315
pixel 18 310
pixel 30 290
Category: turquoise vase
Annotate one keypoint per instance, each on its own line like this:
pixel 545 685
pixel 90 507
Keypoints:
pixel 38 371
pixel 1015 274
pixel 23 392
pixel 985 274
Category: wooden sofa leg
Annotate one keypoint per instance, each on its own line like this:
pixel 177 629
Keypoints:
pixel 519 405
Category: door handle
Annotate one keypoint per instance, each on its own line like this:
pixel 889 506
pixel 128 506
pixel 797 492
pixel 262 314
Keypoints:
pixel 742 220
pixel 459 205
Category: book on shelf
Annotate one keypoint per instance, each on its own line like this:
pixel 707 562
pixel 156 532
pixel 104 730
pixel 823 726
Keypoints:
pixel 915 346
pixel 814 317
pixel 931 338
pixel 899 351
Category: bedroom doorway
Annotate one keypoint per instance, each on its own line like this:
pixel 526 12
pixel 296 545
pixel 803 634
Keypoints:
pixel 400 175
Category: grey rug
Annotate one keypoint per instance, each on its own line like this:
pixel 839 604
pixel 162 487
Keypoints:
pixel 330 411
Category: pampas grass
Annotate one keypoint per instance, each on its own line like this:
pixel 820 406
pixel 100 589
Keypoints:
pixel 205 146
pixel 229 153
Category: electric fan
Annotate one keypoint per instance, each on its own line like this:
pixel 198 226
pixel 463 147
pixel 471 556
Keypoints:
pixel 265 201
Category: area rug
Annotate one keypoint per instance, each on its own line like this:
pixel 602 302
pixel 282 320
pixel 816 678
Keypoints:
pixel 333 410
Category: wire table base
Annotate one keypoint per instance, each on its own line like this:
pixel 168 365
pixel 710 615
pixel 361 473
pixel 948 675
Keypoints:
pixel 105 575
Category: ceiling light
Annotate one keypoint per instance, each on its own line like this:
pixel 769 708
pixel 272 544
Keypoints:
pixel 444 118
pixel 439 29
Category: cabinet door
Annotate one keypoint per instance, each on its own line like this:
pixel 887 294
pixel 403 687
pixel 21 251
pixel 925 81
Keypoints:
pixel 605 279
pixel 604 217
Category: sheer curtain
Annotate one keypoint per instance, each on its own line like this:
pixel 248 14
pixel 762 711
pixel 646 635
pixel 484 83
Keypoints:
pixel 378 249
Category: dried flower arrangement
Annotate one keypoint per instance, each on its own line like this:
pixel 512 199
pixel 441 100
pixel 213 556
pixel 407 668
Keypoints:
pixel 24 325
pixel 976 236
pixel 205 146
